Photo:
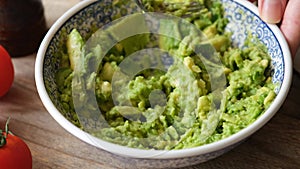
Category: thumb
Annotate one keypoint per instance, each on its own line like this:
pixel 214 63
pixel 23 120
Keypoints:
pixel 271 11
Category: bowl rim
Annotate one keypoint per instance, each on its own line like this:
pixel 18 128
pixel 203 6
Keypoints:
pixel 160 154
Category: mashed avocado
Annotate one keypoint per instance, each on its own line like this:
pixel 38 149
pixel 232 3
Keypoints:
pixel 170 108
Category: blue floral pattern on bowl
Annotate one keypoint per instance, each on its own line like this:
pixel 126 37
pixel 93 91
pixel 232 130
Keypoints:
pixel 86 21
pixel 241 22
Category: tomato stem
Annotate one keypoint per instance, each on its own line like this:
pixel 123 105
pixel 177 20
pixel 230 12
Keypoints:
pixel 2 140
pixel 6 127
pixel 3 135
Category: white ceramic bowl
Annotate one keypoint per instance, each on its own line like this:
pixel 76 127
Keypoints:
pixel 243 17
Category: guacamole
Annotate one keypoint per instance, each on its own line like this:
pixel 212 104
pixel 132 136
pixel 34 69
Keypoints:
pixel 166 106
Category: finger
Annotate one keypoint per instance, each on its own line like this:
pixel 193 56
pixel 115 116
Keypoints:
pixel 271 11
pixel 290 25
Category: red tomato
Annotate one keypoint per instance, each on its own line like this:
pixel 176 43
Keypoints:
pixel 15 154
pixel 6 71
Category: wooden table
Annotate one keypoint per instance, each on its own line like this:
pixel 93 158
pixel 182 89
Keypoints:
pixel 276 145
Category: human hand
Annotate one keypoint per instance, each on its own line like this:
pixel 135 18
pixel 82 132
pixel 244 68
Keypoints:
pixel 286 13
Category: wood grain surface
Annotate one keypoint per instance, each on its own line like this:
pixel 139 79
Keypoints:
pixel 276 145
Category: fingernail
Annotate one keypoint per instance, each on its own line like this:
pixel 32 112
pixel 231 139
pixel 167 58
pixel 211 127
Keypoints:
pixel 271 11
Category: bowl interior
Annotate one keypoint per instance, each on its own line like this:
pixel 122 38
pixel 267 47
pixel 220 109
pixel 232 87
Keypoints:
pixel 87 19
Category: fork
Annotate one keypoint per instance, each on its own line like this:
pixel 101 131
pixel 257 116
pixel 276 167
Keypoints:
pixel 180 9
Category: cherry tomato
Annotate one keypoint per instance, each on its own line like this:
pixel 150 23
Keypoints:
pixel 14 152
pixel 6 71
